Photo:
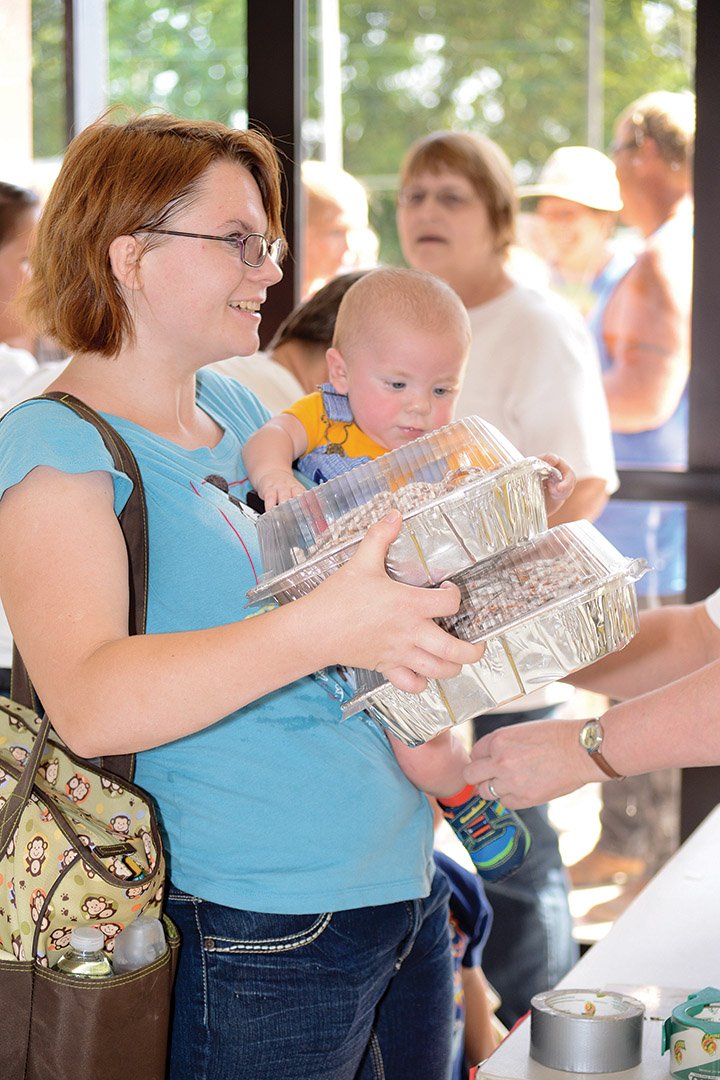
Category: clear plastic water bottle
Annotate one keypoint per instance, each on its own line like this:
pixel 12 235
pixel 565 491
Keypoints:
pixel 85 955
pixel 141 942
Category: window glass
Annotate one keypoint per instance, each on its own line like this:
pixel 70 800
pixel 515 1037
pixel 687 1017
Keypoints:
pixel 188 58
pixel 48 78
pixel 516 72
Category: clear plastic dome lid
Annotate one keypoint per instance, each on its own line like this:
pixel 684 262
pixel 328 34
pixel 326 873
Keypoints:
pixel 464 493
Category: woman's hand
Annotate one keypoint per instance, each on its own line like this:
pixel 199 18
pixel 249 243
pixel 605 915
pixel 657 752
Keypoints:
pixel 529 764
pixel 380 624
pixel 557 489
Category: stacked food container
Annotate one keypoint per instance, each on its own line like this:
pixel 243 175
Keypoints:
pixel 545 601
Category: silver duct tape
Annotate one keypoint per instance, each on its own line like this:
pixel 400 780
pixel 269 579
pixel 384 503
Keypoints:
pixel 586 1031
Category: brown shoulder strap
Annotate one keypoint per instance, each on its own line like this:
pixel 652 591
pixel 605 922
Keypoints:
pixel 133 522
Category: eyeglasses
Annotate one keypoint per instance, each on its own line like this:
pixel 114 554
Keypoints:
pixel 252 248
pixel 447 199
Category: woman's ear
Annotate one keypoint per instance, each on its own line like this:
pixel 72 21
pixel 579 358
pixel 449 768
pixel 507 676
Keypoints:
pixel 337 370
pixel 125 255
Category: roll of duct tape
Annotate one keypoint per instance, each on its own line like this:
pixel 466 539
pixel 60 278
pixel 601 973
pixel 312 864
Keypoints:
pixel 586 1031
pixel 692 1035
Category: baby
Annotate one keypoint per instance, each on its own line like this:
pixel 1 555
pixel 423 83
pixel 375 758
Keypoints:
pixel 396 365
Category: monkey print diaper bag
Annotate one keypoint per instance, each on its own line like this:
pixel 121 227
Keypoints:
pixel 79 846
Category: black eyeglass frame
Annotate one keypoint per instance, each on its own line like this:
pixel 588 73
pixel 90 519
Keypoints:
pixel 237 242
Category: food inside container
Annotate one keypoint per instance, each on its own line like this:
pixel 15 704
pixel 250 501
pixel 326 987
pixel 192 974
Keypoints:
pixel 464 493
pixel 545 609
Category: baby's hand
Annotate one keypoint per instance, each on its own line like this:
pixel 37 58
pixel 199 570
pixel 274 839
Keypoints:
pixel 277 487
pixel 557 489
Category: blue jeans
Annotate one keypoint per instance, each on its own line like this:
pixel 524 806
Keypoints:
pixel 531 945
pixel 364 994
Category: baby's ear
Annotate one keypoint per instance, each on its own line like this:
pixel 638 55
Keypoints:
pixel 337 370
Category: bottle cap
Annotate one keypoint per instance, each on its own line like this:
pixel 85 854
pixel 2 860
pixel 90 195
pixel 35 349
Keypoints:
pixel 87 939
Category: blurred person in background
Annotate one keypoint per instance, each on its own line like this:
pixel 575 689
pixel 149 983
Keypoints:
pixel 533 372
pixel 575 205
pixel 337 235
pixel 21 374
pixel 19 209
pixel 642 327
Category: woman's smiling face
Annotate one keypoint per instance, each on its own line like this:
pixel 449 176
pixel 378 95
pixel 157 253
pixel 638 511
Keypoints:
pixel 198 294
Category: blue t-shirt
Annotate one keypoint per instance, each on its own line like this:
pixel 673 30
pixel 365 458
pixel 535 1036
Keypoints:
pixel 280 807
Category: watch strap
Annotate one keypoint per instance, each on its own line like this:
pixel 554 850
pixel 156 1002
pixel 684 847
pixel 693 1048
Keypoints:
pixel 595 752
pixel 605 765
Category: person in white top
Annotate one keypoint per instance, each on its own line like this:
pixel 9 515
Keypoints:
pixel 19 209
pixel 534 373
pixel 533 369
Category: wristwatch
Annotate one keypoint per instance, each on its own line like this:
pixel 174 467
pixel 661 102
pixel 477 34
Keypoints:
pixel 591 739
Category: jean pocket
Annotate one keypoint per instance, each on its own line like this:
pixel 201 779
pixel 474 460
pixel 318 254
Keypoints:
pixel 250 932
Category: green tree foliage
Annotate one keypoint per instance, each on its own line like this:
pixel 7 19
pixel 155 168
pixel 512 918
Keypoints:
pixel 515 70
pixel 189 58
pixel 48 77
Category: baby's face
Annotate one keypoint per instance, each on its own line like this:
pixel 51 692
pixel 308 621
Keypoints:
pixel 403 382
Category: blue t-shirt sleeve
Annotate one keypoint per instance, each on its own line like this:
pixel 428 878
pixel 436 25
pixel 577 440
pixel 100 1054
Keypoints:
pixel 48 433
pixel 470 907
pixel 222 393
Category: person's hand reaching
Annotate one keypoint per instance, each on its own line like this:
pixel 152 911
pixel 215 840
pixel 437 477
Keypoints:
pixel 559 485
pixel 277 486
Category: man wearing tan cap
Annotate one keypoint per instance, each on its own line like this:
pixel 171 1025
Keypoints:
pixel 576 203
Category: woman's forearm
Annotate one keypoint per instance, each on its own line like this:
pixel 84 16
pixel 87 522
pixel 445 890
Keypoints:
pixel 676 725
pixel 672 642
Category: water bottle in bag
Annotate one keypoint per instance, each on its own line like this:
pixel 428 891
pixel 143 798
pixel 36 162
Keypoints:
pixel 85 955
pixel 141 942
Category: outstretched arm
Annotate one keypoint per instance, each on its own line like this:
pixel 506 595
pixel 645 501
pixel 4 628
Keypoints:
pixel 587 500
pixel 558 486
pixel 436 767
pixel 268 457
pixel 673 642
pixel 677 725
pixel 63 579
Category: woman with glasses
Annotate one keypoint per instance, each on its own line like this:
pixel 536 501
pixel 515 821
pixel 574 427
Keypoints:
pixel 533 371
pixel 314 935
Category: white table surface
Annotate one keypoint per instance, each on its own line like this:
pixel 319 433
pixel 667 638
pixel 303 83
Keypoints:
pixel 663 947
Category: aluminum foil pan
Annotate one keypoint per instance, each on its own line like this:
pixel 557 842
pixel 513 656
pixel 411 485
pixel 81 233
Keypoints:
pixel 451 520
pixel 545 609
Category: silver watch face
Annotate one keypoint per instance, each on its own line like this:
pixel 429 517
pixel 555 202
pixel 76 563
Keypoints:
pixel 591 736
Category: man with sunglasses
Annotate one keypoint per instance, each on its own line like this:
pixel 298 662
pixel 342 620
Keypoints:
pixel 642 327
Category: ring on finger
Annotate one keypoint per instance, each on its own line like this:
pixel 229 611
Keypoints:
pixel 493 792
